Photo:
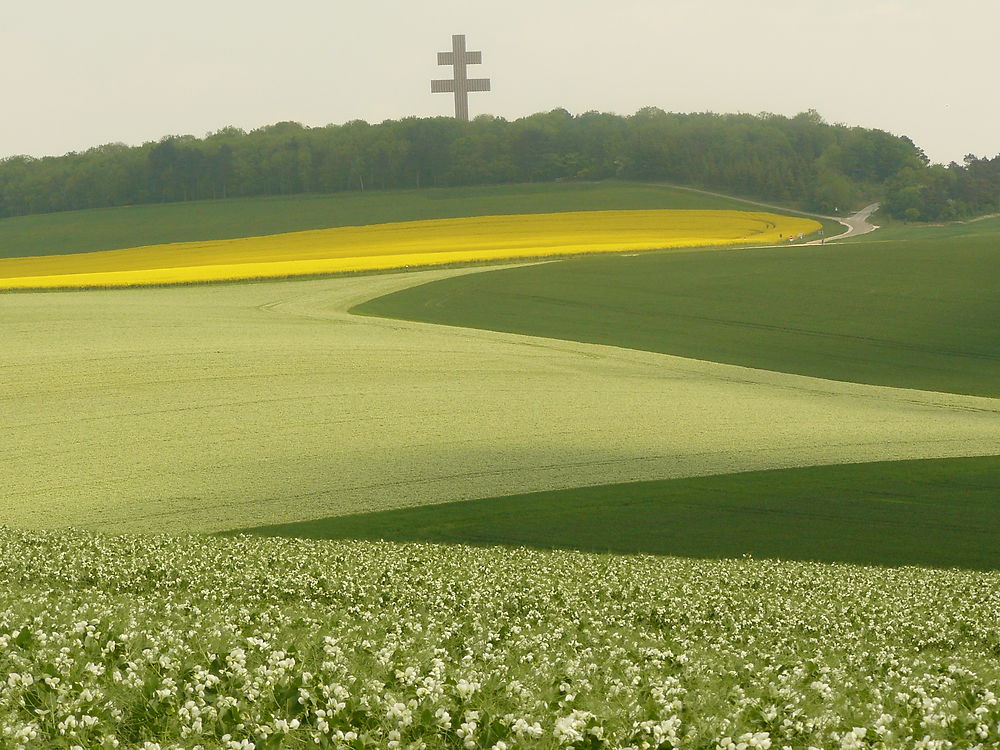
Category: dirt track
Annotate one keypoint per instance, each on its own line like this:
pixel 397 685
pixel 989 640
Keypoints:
pixel 206 408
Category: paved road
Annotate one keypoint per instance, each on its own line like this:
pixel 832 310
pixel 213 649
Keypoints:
pixel 856 224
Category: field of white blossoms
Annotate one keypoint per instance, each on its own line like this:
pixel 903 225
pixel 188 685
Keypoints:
pixel 188 642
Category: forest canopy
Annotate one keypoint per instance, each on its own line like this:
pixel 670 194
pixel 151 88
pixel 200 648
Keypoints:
pixel 799 160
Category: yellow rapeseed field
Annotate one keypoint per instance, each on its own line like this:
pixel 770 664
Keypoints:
pixel 402 245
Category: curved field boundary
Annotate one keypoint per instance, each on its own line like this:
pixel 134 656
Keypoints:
pixel 917 314
pixel 854 225
pixel 197 221
pixel 215 407
pixel 937 512
pixel 402 245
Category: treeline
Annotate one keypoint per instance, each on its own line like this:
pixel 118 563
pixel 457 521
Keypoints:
pixel 939 193
pixel 799 159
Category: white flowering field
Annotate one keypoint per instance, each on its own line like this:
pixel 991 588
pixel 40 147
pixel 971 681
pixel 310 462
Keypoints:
pixel 188 642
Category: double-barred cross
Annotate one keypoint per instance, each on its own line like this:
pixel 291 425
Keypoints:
pixel 461 85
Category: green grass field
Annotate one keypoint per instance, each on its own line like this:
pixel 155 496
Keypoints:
pixel 916 312
pixel 132 226
pixel 941 513
pixel 988 227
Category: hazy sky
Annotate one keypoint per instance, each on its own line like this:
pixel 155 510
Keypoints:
pixel 80 73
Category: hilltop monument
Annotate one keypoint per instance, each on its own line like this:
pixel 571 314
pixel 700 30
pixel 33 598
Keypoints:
pixel 461 84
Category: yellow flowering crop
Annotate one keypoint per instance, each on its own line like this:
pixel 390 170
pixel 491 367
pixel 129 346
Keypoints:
pixel 402 245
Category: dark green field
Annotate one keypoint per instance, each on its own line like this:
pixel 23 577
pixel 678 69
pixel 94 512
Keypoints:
pixel 915 313
pixel 942 513
pixel 112 228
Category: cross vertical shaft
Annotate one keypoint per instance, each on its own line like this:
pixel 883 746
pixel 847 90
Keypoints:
pixel 460 84
pixel 461 66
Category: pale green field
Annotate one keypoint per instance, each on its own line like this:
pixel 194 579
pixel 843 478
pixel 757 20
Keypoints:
pixel 209 408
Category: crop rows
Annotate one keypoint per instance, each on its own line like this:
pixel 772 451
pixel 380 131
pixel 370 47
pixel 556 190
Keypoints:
pixel 188 642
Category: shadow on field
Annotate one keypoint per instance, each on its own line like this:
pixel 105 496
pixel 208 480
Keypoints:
pixel 940 513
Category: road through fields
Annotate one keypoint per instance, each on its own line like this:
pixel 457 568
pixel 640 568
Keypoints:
pixel 205 408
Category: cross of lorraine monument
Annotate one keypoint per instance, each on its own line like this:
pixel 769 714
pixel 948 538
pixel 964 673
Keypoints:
pixel 461 85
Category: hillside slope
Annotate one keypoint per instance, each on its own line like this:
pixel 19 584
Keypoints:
pixel 913 311
pixel 134 226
